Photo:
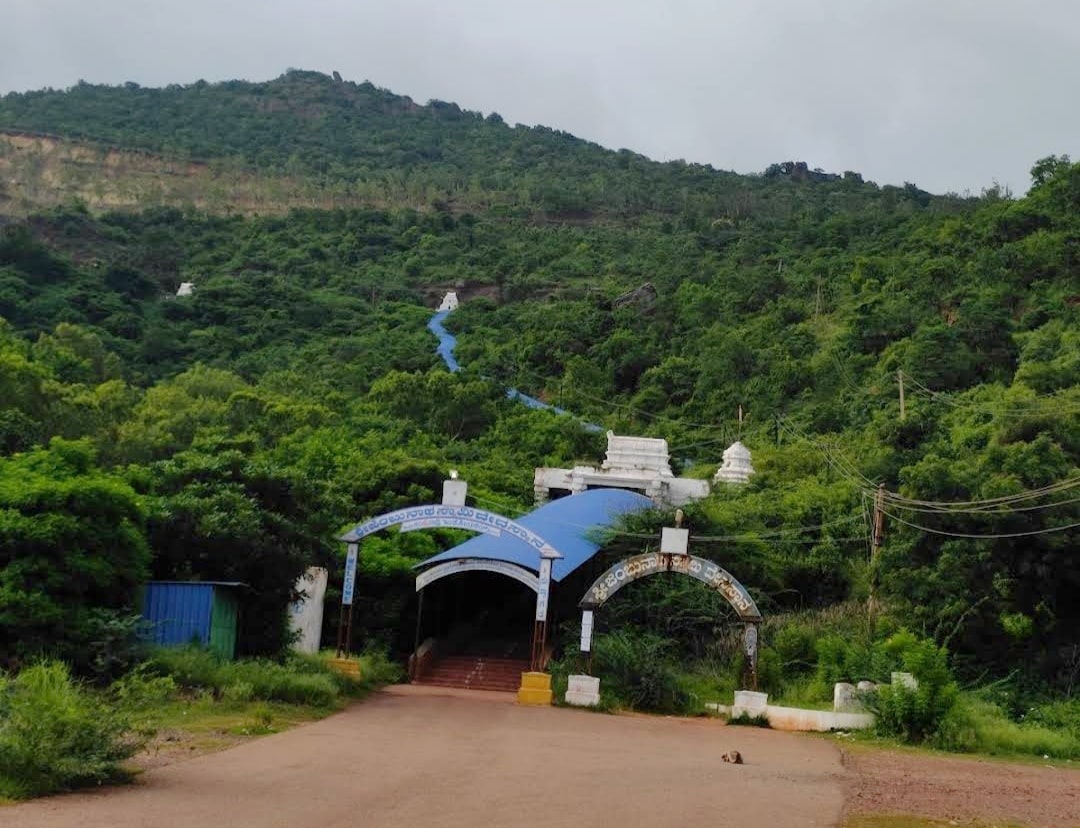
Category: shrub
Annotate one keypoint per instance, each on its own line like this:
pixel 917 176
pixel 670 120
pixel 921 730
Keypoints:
pixel 914 714
pixel 1061 715
pixel 297 681
pixel 141 689
pixel 975 724
pixel 377 669
pixel 55 735
pixel 640 670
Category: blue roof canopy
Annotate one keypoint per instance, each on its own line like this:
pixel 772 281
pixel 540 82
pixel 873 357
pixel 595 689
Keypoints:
pixel 565 523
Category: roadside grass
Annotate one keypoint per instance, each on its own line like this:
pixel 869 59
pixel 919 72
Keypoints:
pixel 905 821
pixel 205 697
pixel 867 741
pixel 57 734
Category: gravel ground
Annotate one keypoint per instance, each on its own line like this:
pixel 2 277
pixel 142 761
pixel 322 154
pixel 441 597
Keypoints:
pixel 962 789
pixel 413 757
pixel 425 756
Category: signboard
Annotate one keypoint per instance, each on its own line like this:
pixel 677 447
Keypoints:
pixel 544 591
pixel 586 631
pixel 674 541
pixel 446 568
pixel 350 576
pixel 452 517
pixel 651 563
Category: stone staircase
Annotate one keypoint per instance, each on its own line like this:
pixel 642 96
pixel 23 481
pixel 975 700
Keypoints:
pixel 476 673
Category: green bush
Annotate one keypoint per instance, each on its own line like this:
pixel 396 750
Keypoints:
pixel 1062 715
pixel 975 724
pixel 914 714
pixel 640 670
pixel 377 669
pixel 55 735
pixel 140 689
pixel 296 681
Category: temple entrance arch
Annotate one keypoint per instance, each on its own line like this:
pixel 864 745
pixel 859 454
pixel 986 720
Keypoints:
pixel 709 573
pixel 453 516
pixel 412 518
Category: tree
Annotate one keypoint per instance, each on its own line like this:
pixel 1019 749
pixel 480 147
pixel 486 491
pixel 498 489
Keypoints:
pixel 71 546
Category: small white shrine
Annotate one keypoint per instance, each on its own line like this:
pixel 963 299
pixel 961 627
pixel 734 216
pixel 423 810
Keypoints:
pixel 641 464
pixel 736 467
pixel 186 289
pixel 449 302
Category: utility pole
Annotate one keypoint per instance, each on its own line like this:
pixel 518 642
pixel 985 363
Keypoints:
pixel 900 382
pixel 876 542
pixel 879 517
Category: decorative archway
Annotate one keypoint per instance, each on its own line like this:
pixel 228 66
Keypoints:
pixel 412 518
pixel 435 573
pixel 709 573
pixel 449 516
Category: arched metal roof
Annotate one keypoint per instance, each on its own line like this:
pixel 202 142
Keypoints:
pixel 567 524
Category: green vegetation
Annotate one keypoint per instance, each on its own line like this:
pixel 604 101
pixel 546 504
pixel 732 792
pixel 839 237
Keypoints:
pixel 232 434
pixel 900 821
pixel 304 680
pixel 56 735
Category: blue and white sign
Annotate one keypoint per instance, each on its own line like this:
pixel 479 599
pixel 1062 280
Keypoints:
pixel 350 576
pixel 452 517
pixel 544 591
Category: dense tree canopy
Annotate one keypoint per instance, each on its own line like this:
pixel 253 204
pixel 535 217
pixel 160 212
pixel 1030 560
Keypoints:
pixel 297 390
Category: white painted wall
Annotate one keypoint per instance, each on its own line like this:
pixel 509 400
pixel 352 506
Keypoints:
pixel 306 615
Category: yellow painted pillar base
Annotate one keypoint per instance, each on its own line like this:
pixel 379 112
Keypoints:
pixel 346 666
pixel 535 689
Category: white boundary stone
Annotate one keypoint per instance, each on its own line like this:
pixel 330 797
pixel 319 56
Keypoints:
pixel 583 691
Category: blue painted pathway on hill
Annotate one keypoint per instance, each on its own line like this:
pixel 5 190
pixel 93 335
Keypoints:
pixel 447 343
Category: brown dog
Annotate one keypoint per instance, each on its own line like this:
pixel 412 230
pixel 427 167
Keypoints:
pixel 732 756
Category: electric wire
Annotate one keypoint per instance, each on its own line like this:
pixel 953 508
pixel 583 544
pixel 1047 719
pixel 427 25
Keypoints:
pixel 991 536
pixel 1005 408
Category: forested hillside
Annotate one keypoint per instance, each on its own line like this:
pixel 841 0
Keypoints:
pixel 232 433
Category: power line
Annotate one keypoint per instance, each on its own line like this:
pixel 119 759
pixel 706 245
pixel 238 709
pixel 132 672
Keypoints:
pixel 989 503
pixel 985 510
pixel 1005 408
pixel 994 536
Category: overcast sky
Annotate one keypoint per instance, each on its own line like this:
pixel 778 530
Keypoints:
pixel 950 94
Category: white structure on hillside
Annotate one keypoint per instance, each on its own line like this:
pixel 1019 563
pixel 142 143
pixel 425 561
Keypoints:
pixel 641 464
pixel 449 302
pixel 186 289
pixel 736 467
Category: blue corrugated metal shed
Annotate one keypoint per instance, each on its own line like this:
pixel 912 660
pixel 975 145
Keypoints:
pixel 566 523
pixel 187 612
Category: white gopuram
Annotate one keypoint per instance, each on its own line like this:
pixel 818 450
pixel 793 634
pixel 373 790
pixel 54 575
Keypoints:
pixel 641 464
pixel 449 302
pixel 736 467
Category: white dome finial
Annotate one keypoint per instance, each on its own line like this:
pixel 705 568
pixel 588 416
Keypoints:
pixel 736 467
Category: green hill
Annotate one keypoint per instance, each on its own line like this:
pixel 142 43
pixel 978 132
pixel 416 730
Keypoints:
pixel 299 380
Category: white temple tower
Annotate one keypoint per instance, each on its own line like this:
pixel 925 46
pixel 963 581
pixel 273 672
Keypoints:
pixel 736 467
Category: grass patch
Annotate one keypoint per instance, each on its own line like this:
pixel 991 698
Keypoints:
pixel 299 679
pixel 56 735
pixel 904 821
pixel 976 725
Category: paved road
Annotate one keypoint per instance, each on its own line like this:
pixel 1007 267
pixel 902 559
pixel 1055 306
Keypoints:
pixel 417 757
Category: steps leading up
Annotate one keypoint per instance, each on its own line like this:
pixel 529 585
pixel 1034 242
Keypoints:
pixel 476 673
